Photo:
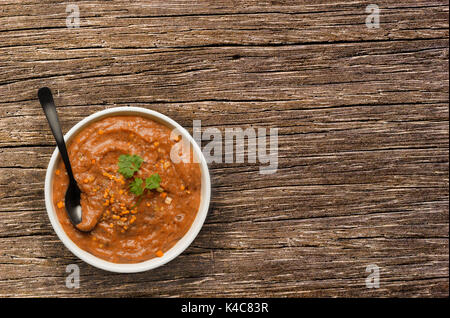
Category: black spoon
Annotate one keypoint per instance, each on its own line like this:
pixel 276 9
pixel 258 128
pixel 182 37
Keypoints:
pixel 72 199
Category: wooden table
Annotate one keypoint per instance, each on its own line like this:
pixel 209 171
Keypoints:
pixel 363 127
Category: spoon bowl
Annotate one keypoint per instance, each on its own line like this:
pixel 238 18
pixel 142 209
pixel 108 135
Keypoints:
pixel 73 193
pixel 72 203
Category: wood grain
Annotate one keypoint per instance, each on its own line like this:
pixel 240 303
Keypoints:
pixel 363 140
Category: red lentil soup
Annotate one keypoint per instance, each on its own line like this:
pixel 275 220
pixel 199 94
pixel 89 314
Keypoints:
pixel 127 228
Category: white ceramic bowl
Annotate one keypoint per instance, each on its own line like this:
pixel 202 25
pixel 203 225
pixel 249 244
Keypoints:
pixel 181 245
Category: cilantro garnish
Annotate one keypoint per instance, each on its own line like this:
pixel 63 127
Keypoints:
pixel 151 183
pixel 129 164
pixel 136 186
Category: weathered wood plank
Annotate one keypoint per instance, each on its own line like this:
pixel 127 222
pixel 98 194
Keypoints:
pixel 347 73
pixel 160 24
pixel 363 140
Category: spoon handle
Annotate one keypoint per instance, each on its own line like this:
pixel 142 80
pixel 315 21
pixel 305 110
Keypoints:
pixel 48 105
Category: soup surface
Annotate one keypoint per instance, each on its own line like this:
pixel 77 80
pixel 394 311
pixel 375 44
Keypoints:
pixel 136 202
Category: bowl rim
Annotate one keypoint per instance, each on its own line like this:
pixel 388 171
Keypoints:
pixel 181 244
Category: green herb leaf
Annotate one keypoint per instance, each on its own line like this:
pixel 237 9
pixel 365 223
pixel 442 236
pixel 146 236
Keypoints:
pixel 129 164
pixel 152 182
pixel 136 186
